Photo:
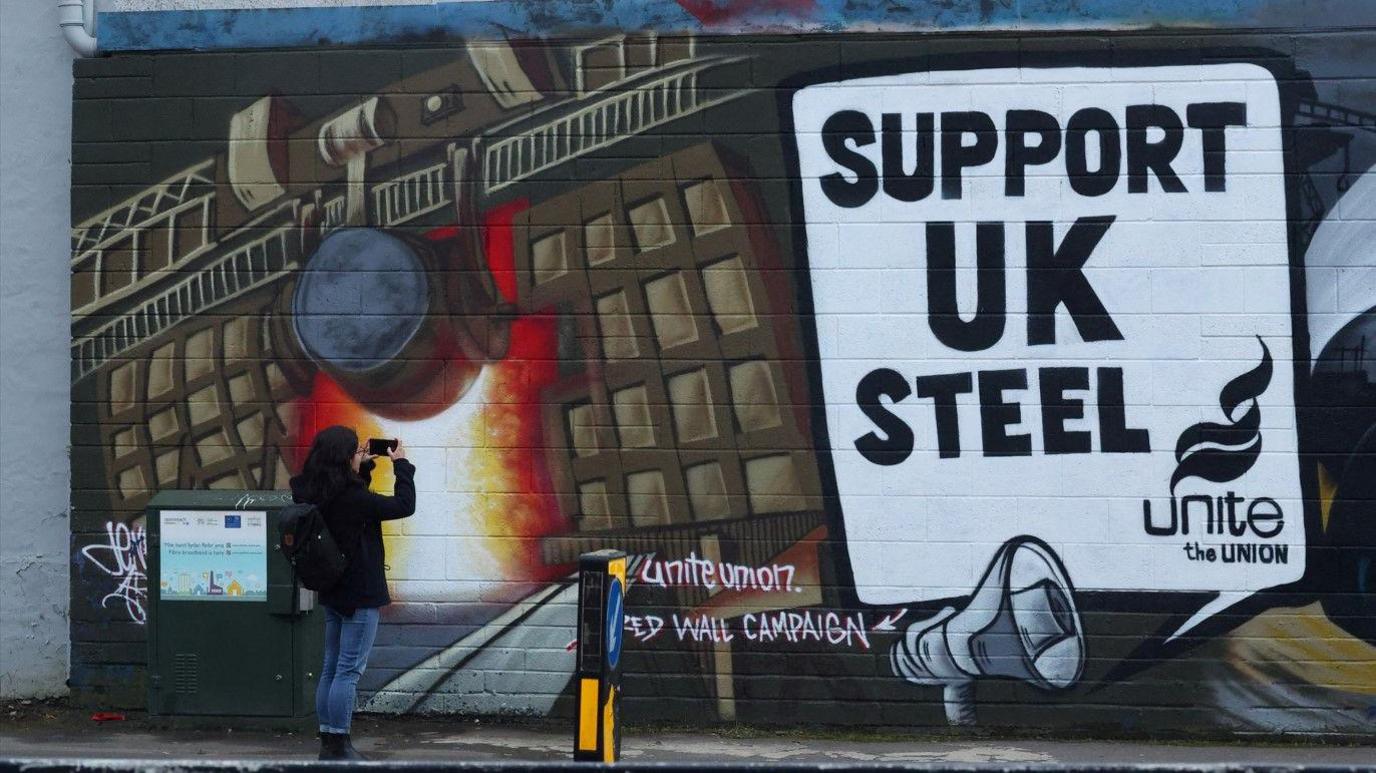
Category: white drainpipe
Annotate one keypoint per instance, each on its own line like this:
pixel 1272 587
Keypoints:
pixel 72 16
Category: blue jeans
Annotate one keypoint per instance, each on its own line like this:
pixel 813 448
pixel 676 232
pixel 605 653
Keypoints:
pixel 348 641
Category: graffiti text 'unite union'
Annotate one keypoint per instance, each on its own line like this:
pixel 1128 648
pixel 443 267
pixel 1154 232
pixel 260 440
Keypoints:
pixel 700 572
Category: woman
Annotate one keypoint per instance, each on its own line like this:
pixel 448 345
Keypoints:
pixel 335 479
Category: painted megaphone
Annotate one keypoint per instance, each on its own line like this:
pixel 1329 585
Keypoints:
pixel 1021 623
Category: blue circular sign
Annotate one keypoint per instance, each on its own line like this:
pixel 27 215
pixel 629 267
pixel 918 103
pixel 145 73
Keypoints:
pixel 615 622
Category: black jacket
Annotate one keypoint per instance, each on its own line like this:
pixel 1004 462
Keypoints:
pixel 355 519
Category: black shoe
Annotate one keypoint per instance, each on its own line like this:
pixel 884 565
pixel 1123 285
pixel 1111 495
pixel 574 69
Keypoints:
pixel 350 753
pixel 332 747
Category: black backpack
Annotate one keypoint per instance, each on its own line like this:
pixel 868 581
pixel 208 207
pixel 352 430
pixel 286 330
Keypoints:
pixel 305 540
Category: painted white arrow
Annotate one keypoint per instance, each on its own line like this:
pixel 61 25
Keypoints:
pixel 887 624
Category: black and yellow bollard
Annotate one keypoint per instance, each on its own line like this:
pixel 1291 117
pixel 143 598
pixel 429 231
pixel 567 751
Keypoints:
pixel 601 594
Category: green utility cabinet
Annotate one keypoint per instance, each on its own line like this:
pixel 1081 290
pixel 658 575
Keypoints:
pixel 229 632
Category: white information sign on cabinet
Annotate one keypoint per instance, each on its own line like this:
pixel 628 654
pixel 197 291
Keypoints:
pixel 208 555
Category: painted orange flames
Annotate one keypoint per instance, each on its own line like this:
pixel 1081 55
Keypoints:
pixel 490 500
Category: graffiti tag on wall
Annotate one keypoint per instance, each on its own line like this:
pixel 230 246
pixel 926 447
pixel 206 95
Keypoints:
pixel 123 557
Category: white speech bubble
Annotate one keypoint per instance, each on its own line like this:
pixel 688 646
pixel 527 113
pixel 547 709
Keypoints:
pixel 1195 281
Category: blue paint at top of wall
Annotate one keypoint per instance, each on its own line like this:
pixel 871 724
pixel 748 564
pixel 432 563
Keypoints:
pixel 325 24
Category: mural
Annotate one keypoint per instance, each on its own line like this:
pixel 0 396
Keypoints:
pixel 999 381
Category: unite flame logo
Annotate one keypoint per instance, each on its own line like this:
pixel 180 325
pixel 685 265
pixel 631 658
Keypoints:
pixel 1225 452
pixel 1222 453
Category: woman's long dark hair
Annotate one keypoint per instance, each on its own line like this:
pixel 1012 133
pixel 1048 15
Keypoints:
pixel 328 469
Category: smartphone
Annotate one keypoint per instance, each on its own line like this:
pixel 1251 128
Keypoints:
pixel 380 446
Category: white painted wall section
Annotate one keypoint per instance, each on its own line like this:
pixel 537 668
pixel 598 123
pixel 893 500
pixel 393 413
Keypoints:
pixel 35 330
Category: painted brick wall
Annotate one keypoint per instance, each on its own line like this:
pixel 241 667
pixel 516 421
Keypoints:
pixel 1020 380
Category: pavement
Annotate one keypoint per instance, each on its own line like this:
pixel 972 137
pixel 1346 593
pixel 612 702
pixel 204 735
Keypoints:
pixel 51 732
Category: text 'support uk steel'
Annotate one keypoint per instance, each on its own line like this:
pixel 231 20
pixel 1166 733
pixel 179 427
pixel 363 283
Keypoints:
pixel 1011 381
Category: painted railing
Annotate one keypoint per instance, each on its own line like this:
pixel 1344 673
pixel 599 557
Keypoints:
pixel 410 196
pixel 595 123
pixel 125 227
pixel 242 269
